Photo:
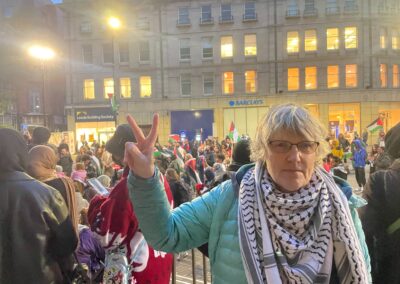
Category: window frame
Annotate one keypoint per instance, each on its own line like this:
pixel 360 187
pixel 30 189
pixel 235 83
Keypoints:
pixel 85 88
pixel 226 15
pixel 84 51
pixel 221 46
pixel 308 39
pixel 186 82
pixel 183 15
pixel 249 13
pixel 204 41
pixel 347 76
pixel 107 88
pixel 182 56
pixel 395 76
pixel 337 40
pixel 246 80
pixel 337 75
pixel 127 52
pixel 206 16
pixel 383 75
pixel 288 38
pixel 308 76
pixel 289 77
pixel 110 52
pixel 246 46
pixel 346 37
pixel 227 81
pixel 141 86
pixel 122 86
pixel 142 51
pixel 208 75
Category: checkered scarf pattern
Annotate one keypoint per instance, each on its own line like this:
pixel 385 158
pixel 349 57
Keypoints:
pixel 297 237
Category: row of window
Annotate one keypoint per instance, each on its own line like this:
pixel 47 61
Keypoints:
pixel 333 77
pixel 250 77
pixel 109 88
pixel 206 16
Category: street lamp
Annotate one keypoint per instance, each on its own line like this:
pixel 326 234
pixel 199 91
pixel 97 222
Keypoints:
pixel 115 24
pixel 44 54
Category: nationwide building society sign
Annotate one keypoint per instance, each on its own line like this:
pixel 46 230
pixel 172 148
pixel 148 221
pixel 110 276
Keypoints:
pixel 234 103
pixel 94 115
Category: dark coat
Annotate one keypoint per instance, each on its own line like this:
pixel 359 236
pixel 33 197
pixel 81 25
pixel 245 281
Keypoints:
pixel 36 233
pixel 383 196
pixel 180 193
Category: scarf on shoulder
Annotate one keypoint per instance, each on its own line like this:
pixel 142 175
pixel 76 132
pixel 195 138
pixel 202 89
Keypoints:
pixel 297 237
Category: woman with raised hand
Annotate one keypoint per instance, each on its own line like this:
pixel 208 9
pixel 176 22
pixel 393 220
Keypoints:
pixel 282 220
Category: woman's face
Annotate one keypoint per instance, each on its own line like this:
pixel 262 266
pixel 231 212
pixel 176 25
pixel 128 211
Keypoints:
pixel 291 170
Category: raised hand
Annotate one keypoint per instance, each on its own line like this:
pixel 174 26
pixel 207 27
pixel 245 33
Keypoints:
pixel 139 156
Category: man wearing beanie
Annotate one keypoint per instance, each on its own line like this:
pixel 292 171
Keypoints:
pixel 114 223
pixel 381 218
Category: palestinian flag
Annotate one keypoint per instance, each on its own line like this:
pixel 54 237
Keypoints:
pixel 174 138
pixel 375 126
pixel 113 101
pixel 233 133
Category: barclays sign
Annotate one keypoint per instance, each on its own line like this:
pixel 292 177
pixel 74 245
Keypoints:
pixel 234 103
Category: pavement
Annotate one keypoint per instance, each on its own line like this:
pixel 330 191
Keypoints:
pixel 184 273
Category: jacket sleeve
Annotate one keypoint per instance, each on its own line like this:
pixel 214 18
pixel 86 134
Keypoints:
pixel 185 227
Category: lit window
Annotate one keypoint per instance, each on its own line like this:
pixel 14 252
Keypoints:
pixel 185 48
pixel 145 86
pixel 292 42
pixel 311 78
pixel 108 53
pixel 351 76
pixel 250 45
pixel 228 83
pixel 183 16
pixel 123 52
pixel 383 38
pixel 208 83
pixel 395 80
pixel 383 75
pixel 108 87
pixel 88 89
pixel 186 85
pixel 332 39
pixel 251 81
pixel 350 37
pixel 332 72
pixel 144 51
pixel 310 40
pixel 293 79
pixel 226 46
pixel 87 51
pixel 395 40
pixel 207 47
pixel 125 84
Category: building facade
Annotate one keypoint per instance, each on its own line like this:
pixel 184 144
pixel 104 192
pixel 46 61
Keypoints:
pixel 231 60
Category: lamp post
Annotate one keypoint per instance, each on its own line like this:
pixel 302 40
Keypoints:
pixel 44 54
pixel 115 24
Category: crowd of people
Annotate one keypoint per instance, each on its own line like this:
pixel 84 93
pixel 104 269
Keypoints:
pixel 277 209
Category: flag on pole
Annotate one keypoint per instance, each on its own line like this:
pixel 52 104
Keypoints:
pixel 113 101
pixel 174 138
pixel 233 133
pixel 376 125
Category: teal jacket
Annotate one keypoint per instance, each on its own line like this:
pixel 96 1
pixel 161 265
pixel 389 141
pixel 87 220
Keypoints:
pixel 211 218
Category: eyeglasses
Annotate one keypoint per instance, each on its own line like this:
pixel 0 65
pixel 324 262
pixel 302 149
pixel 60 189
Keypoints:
pixel 305 147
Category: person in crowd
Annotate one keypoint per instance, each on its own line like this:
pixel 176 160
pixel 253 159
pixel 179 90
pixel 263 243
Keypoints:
pixel 90 167
pixel 106 160
pixel 179 192
pixel 240 155
pixel 339 169
pixel 95 162
pixel 42 166
pixel 327 162
pixel 359 162
pixel 36 232
pixel 372 158
pixel 289 222
pixel 209 154
pixel 382 160
pixel 380 217
pixel 381 138
pixel 345 145
pixel 65 160
pixel 113 220
pixel 337 150
pixel 177 164
pixel 364 136
pixel 190 175
pixel 201 164
pixel 41 136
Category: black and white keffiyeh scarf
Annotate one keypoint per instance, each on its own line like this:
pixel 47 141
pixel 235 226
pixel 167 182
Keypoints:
pixel 297 237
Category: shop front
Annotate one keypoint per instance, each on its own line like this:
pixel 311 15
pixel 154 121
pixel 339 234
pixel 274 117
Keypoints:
pixel 344 118
pixel 94 124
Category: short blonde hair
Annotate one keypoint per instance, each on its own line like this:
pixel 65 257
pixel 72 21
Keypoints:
pixel 294 119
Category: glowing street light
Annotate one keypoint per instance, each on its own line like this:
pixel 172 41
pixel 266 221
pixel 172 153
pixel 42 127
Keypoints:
pixel 114 23
pixel 44 54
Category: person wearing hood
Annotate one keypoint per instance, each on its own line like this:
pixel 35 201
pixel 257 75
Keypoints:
pixel 359 160
pixel 381 217
pixel 36 233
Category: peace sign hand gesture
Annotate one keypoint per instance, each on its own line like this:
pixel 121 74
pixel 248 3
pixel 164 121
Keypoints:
pixel 139 156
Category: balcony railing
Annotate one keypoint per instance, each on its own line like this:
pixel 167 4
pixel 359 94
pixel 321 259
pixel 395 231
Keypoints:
pixel 332 11
pixel 292 13
pixel 249 17
pixel 207 21
pixel 227 19
pixel 310 12
pixel 183 22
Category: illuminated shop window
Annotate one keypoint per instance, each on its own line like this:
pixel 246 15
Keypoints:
pixel 332 72
pixel 383 75
pixel 226 46
pixel 332 39
pixel 251 81
pixel 125 85
pixel 383 38
pixel 311 78
pixel 292 42
pixel 250 45
pixel 395 40
pixel 395 79
pixel 351 76
pixel 293 79
pixel 350 37
pixel 345 119
pixel 108 87
pixel 228 83
pixel 310 40
pixel 88 89
pixel 145 86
